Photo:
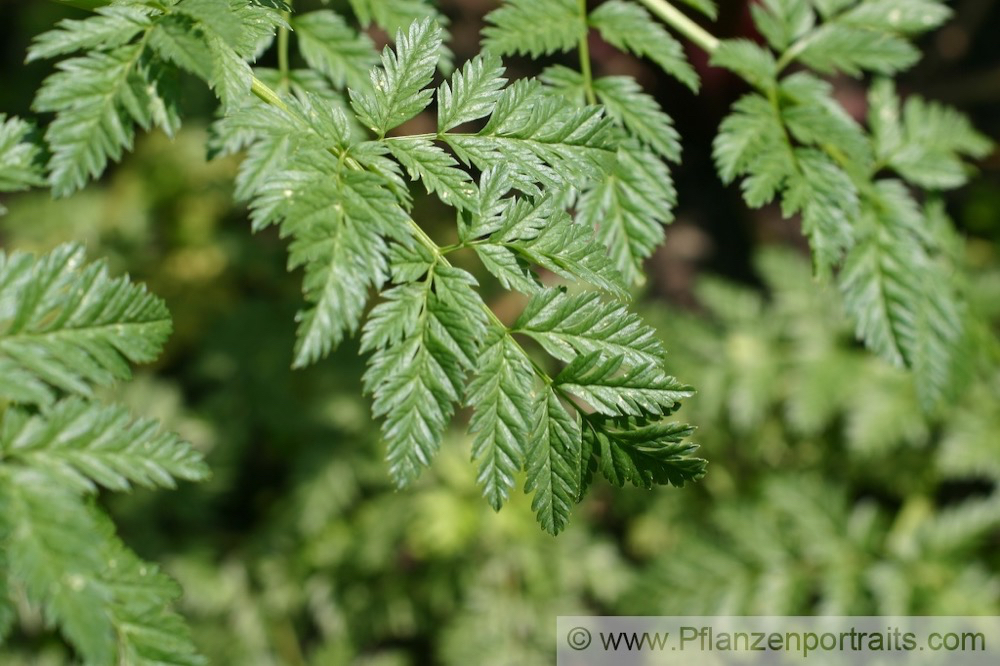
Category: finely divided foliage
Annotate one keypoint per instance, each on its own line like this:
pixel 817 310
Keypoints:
pixel 65 329
pixel 329 167
pixel 561 187
pixel 858 190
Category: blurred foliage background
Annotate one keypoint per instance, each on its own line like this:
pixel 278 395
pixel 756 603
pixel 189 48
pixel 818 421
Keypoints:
pixel 828 490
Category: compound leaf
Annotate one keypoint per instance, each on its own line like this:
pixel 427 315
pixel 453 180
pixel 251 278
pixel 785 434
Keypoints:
pixel 554 459
pixel 83 444
pixel 69 327
pixel 534 27
pixel 500 394
pixel 399 87
pixel 630 28
pixel 568 325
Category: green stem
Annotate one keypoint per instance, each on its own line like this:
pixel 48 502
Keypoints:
pixel 283 56
pixel 794 51
pixel 682 24
pixel 266 95
pixel 283 49
pixel 584 50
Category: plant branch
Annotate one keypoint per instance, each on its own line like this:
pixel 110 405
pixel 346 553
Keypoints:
pixel 266 94
pixel 584 51
pixel 682 24
pixel 283 50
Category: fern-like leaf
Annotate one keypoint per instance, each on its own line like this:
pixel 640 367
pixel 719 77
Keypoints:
pixel 541 233
pixel 629 207
pixel 425 339
pixel 48 538
pixel 900 298
pixel 110 28
pixel 69 327
pixel 98 98
pixel 639 113
pixel 436 169
pixel 500 394
pixel 870 36
pixel 554 459
pixel 643 454
pixel 534 27
pixel 923 141
pixel 399 87
pixel 20 166
pixel 472 92
pixel 329 45
pixel 540 138
pixel 630 27
pixel 569 325
pixel 111 606
pixel 612 387
pixel 84 444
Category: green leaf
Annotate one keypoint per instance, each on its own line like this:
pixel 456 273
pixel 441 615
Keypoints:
pixel 500 394
pixel 569 325
pixel 150 633
pixel 332 47
pixel 228 32
pixel 813 117
pixel 910 17
pixel 565 82
pixel 109 28
pixel 399 87
pixel 870 36
pixel 828 201
pixel 337 235
pixel 111 606
pixel 925 141
pixel 629 27
pixel 865 38
pixel 554 459
pixel 20 158
pixel 69 327
pixel 395 15
pixel 534 27
pixel 639 113
pixel 878 277
pixel 426 338
pixel 83 444
pixel 783 21
pixel 437 170
pixel 615 388
pixel 541 233
pixel 707 7
pixel 629 207
pixel 242 24
pixel 53 548
pixel 472 93
pixel 750 138
pixel 900 297
pixel 750 61
pixel 98 98
pixel 540 139
pixel 643 454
